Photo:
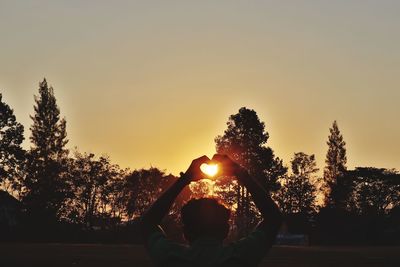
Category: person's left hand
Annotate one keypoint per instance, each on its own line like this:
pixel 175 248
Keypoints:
pixel 194 173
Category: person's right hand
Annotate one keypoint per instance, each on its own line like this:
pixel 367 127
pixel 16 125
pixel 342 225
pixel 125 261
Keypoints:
pixel 228 167
pixel 194 173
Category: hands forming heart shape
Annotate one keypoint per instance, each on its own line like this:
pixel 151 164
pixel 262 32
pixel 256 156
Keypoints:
pixel 219 165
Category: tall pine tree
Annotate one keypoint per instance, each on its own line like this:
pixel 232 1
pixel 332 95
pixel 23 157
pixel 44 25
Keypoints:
pixel 45 182
pixel 335 165
pixel 11 153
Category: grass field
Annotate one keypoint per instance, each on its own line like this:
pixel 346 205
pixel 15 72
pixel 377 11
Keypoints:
pixel 21 255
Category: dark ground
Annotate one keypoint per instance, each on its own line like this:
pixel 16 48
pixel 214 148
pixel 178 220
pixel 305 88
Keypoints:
pixel 18 255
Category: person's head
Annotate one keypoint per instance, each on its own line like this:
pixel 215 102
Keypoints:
pixel 205 217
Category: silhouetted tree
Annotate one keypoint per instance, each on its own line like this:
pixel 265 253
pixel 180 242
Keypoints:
pixel 94 183
pixel 11 153
pixel 144 187
pixel 375 190
pixel 335 166
pixel 45 179
pixel 200 188
pixel 367 198
pixel 245 141
pixel 116 193
pixel 298 191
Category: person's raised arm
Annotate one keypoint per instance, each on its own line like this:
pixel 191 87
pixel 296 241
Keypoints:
pixel 272 217
pixel 152 218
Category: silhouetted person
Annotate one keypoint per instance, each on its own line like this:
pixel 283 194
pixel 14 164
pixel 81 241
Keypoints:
pixel 206 224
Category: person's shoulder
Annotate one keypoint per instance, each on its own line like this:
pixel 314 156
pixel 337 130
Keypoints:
pixel 162 250
pixel 159 239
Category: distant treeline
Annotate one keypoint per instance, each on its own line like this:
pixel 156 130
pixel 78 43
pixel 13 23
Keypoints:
pixel 53 194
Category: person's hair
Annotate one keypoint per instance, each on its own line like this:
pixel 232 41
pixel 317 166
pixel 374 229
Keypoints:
pixel 205 217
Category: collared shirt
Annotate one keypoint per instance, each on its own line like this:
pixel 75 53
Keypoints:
pixel 248 251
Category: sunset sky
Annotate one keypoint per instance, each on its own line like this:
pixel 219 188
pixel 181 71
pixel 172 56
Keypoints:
pixel 152 83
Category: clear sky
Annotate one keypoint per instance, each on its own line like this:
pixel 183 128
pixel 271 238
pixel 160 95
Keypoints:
pixel 153 82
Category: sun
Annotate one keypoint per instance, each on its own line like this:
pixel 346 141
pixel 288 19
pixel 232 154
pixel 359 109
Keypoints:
pixel 209 169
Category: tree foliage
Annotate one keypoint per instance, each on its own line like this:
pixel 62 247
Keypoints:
pixel 97 187
pixel 245 141
pixel 145 186
pixel 298 192
pixel 371 190
pixel 11 152
pixel 336 160
pixel 201 188
pixel 45 180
